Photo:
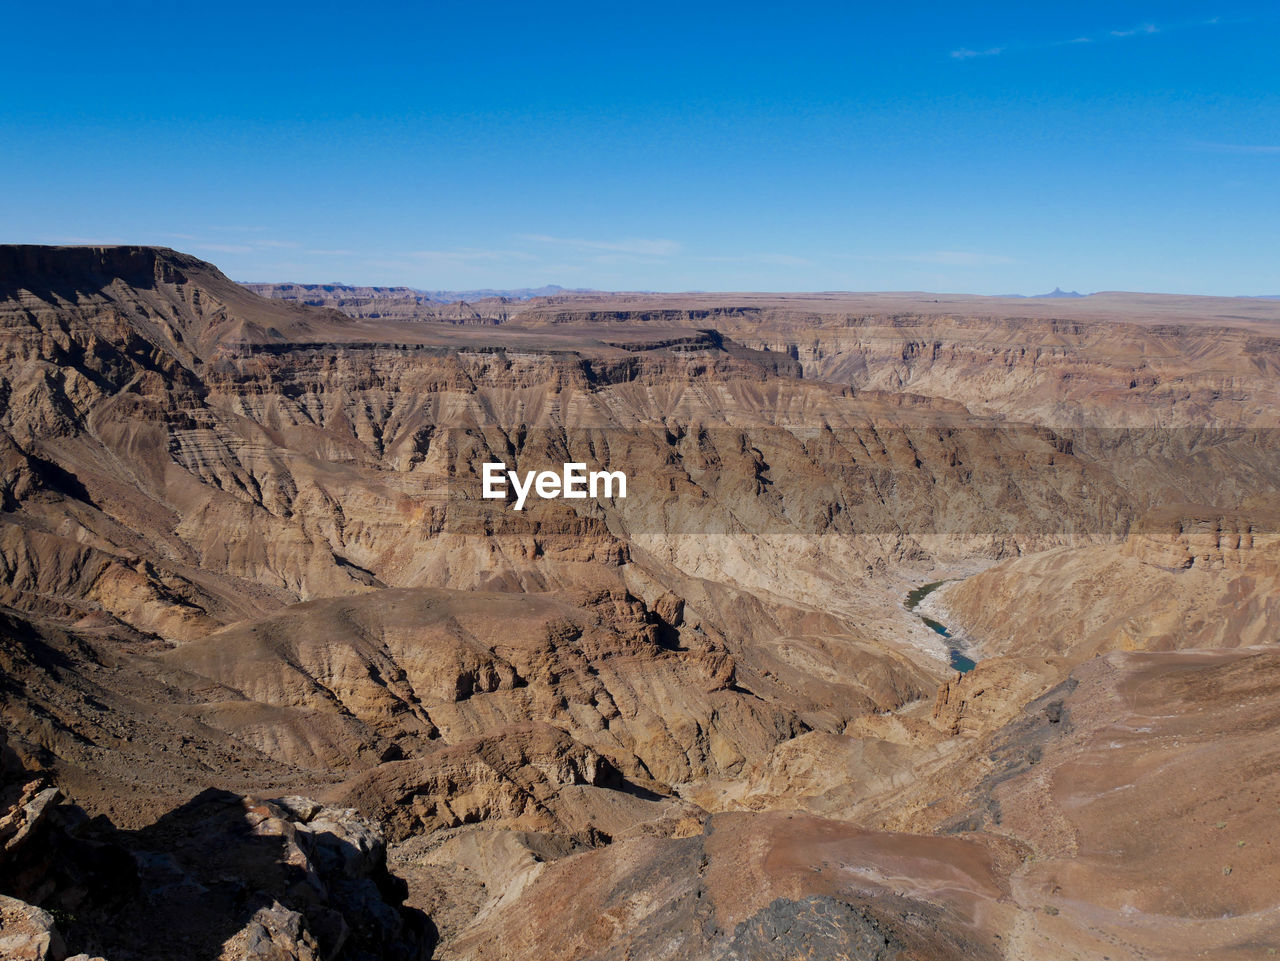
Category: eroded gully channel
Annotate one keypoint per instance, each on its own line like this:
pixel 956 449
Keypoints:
pixel 955 647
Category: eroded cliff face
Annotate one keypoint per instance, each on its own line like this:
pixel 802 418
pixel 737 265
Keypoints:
pixel 390 303
pixel 1060 373
pixel 243 546
pixel 1183 578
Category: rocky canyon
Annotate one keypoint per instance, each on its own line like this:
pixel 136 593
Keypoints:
pixel 278 681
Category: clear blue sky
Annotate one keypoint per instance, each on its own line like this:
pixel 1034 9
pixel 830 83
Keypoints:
pixel 985 148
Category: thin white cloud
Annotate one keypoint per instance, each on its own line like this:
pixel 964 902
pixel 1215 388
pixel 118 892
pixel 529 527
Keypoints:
pixel 1136 31
pixel 964 53
pixel 1141 30
pixel 638 246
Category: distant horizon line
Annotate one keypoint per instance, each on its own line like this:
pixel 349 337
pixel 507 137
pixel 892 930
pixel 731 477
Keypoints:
pixel 500 291
pixel 1056 294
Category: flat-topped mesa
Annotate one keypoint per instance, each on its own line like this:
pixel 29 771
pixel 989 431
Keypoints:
pixel 96 297
pixel 73 272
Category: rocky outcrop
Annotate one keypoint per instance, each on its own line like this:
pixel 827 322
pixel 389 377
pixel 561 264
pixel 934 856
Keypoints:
pixel 222 875
pixel 278 881
pixel 28 933
pixel 25 862
pixel 272 934
pixel 512 780
pixel 992 694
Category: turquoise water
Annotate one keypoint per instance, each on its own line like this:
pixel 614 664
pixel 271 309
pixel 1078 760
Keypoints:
pixel 955 653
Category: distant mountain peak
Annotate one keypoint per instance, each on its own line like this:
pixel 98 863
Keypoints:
pixel 1056 292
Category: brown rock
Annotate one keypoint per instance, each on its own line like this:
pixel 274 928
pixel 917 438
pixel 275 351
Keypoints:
pixel 27 933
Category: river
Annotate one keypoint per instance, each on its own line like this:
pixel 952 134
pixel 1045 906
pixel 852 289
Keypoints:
pixel 955 647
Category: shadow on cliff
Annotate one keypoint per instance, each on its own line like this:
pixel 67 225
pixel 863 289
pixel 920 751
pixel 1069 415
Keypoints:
pixel 70 273
pixel 221 873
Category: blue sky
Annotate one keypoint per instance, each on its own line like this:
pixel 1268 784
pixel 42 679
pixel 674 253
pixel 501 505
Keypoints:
pixel 985 148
